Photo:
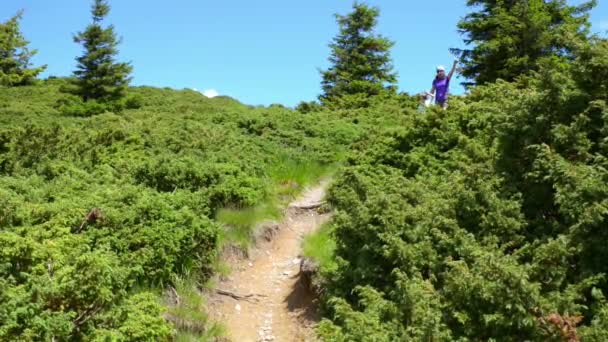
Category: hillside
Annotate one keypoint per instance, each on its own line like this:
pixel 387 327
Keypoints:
pixel 147 214
pixel 99 214
pixel 483 222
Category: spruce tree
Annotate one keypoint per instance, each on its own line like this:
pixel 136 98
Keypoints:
pixel 98 76
pixel 15 67
pixel 360 58
pixel 512 37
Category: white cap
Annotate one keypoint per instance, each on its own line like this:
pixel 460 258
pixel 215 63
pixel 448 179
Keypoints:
pixel 441 68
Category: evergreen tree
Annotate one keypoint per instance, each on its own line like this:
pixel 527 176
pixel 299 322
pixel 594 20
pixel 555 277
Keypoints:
pixel 511 37
pixel 99 76
pixel 360 58
pixel 15 67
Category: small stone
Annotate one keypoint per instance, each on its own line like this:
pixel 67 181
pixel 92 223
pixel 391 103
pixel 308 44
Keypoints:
pixel 238 307
pixel 287 273
pixel 269 338
pixel 250 264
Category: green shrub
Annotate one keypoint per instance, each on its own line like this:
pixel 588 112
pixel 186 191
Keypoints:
pixel 483 222
pixel 101 208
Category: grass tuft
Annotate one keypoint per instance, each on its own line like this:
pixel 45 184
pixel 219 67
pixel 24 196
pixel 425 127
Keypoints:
pixel 320 246
pixel 239 223
pixel 288 178
pixel 189 315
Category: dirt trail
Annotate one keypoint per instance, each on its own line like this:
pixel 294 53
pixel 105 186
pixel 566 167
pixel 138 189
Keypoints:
pixel 280 307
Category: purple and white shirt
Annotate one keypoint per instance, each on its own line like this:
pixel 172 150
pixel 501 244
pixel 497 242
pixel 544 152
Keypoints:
pixel 441 89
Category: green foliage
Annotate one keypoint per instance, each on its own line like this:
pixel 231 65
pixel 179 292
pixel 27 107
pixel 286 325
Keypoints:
pixel 287 178
pixel 188 312
pixel 290 175
pixel 484 222
pixel 360 59
pixel 240 223
pixel 139 319
pixel 376 322
pixel 511 38
pixel 98 77
pixel 307 107
pixel 15 67
pixel 99 214
pixel 321 247
pixel 72 105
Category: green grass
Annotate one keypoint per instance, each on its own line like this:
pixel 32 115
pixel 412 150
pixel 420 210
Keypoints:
pixel 174 162
pixel 239 223
pixel 248 216
pixel 288 178
pixel 321 247
pixel 192 322
pixel 291 176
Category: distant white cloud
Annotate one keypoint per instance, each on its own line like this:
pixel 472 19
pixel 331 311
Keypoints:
pixel 210 93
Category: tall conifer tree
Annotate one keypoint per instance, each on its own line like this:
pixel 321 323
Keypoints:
pixel 15 66
pixel 360 58
pixel 511 37
pixel 99 76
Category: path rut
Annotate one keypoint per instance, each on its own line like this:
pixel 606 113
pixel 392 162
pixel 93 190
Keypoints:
pixel 280 307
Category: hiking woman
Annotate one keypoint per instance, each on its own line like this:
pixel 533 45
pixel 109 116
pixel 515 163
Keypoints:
pixel 441 85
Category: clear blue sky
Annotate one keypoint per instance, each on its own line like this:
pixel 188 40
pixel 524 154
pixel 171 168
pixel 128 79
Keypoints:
pixel 259 52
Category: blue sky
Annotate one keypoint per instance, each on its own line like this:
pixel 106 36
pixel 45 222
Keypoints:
pixel 259 52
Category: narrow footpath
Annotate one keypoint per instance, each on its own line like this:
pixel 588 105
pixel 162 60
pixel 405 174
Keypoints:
pixel 264 298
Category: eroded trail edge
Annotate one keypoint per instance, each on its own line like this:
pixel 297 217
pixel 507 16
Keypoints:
pixel 264 298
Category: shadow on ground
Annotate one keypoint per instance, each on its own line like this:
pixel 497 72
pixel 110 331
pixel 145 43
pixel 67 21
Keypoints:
pixel 302 301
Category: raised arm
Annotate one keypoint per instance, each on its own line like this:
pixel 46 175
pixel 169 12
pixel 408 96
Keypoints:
pixel 453 69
